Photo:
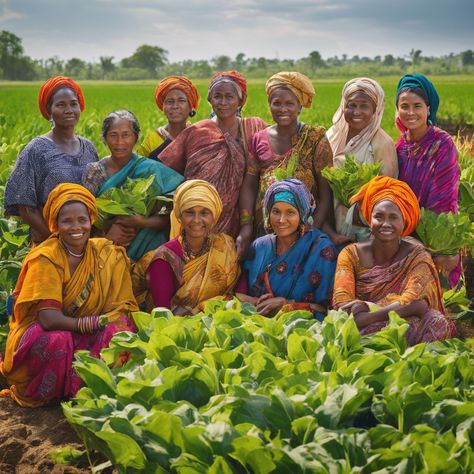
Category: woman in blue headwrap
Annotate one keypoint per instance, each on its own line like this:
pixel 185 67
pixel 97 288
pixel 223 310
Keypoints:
pixel 293 267
pixel 427 156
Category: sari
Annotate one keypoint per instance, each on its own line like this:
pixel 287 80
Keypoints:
pixel 38 363
pixel 203 151
pixel 163 277
pixel 154 143
pixel 304 273
pixel 166 180
pixel 412 278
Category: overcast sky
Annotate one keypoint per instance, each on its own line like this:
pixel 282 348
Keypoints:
pixel 194 29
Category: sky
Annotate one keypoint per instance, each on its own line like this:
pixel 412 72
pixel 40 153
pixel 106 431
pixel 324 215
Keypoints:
pixel 284 29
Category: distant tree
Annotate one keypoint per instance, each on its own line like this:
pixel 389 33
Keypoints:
pixel 388 60
pixel 13 65
pixel 467 57
pixel 151 58
pixel 222 63
pixel 54 66
pixel 107 64
pixel 240 61
pixel 262 63
pixel 75 67
pixel 315 60
pixel 415 56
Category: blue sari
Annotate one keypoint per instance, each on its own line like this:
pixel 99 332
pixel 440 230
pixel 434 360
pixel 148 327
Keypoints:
pixel 166 179
pixel 305 273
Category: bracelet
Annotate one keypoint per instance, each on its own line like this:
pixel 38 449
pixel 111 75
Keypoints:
pixel 246 217
pixel 88 325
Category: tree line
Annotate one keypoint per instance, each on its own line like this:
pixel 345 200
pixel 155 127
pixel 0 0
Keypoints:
pixel 150 62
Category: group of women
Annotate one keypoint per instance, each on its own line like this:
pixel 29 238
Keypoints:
pixel 252 217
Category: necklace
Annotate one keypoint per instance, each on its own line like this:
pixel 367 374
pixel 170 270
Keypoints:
pixel 190 255
pixel 70 252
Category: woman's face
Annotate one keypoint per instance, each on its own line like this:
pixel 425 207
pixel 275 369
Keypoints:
pixel 359 111
pixel 387 221
pixel 176 106
pixel 121 139
pixel 284 107
pixel 284 219
pixel 413 111
pixel 65 109
pixel 197 222
pixel 74 225
pixel 224 100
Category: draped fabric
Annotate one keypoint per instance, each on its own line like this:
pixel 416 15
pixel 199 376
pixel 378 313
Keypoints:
pixel 412 278
pixel 203 151
pixel 100 285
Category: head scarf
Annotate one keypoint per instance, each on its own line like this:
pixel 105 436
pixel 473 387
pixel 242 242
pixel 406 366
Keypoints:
pixel 337 134
pixel 296 82
pixel 197 192
pixel 176 82
pixel 235 78
pixel 51 86
pixel 62 194
pixel 422 82
pixel 294 192
pixel 383 188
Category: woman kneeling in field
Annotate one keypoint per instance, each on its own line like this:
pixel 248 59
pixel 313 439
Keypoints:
pixel 139 234
pixel 389 273
pixel 178 99
pixel 195 266
pixel 292 268
pixel 73 293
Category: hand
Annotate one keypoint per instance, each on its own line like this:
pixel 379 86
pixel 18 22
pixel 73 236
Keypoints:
pixel 338 239
pixel 121 235
pixel 243 240
pixel 359 307
pixel 37 236
pixel 446 263
pixel 247 299
pixel 268 305
pixel 136 221
pixel 347 307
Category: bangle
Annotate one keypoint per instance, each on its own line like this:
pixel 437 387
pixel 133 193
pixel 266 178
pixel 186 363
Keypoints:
pixel 246 217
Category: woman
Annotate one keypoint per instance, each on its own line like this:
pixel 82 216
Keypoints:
pixel 120 131
pixel 292 268
pixel 58 156
pixel 389 273
pixel 427 156
pixel 356 131
pixel 288 148
pixel 65 283
pixel 194 267
pixel 216 150
pixel 178 99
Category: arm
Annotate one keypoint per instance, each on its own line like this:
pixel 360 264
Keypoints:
pixel 344 295
pixel 54 320
pixel 34 218
pixel 138 222
pixel 247 197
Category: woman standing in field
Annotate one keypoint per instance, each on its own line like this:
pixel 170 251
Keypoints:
pixel 178 98
pixel 356 131
pixel 58 156
pixel 120 131
pixel 216 150
pixel 288 148
pixel 389 273
pixel 73 293
pixel 427 156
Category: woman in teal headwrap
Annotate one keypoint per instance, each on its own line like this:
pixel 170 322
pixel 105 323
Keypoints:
pixel 120 131
pixel 427 156
pixel 292 268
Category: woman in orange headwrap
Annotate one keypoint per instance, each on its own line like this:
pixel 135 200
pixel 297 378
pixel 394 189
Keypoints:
pixel 58 156
pixel 389 273
pixel 216 150
pixel 73 293
pixel 178 98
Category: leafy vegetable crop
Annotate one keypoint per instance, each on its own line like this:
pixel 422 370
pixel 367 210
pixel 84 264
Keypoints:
pixel 227 391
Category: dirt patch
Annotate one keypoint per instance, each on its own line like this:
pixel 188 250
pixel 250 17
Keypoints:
pixel 465 130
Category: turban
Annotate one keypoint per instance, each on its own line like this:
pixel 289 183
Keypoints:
pixel 176 82
pixel 62 194
pixel 296 82
pixel 291 191
pixel 233 77
pixel 421 82
pixel 383 188
pixel 51 86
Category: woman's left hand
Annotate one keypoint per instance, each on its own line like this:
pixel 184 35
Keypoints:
pixel 268 306
pixel 136 221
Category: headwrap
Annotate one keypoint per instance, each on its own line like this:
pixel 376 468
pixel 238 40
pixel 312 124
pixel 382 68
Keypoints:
pixel 51 86
pixel 235 78
pixel 197 192
pixel 181 83
pixel 337 134
pixel 62 194
pixel 296 82
pixel 422 82
pixel 300 198
pixel 383 188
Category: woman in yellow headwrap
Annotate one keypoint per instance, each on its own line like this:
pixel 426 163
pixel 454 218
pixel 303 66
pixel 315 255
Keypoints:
pixel 178 98
pixel 289 148
pixel 198 264
pixel 73 293
pixel 389 273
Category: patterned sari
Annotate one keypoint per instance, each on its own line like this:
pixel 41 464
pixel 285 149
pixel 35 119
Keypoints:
pixel 412 278
pixel 38 363
pixel 203 151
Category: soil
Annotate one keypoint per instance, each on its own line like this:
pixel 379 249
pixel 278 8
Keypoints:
pixel 463 129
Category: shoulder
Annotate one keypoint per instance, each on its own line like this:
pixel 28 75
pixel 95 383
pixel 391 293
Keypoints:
pixel 314 131
pixel 442 135
pixel 382 138
pixel 255 122
pixel 105 250
pixel 224 243
pixel 350 253
pixel 87 144
pixel 37 146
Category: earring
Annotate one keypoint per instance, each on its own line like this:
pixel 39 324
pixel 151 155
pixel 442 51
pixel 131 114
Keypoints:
pixel 192 113
pixel 51 122
pixel 302 230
